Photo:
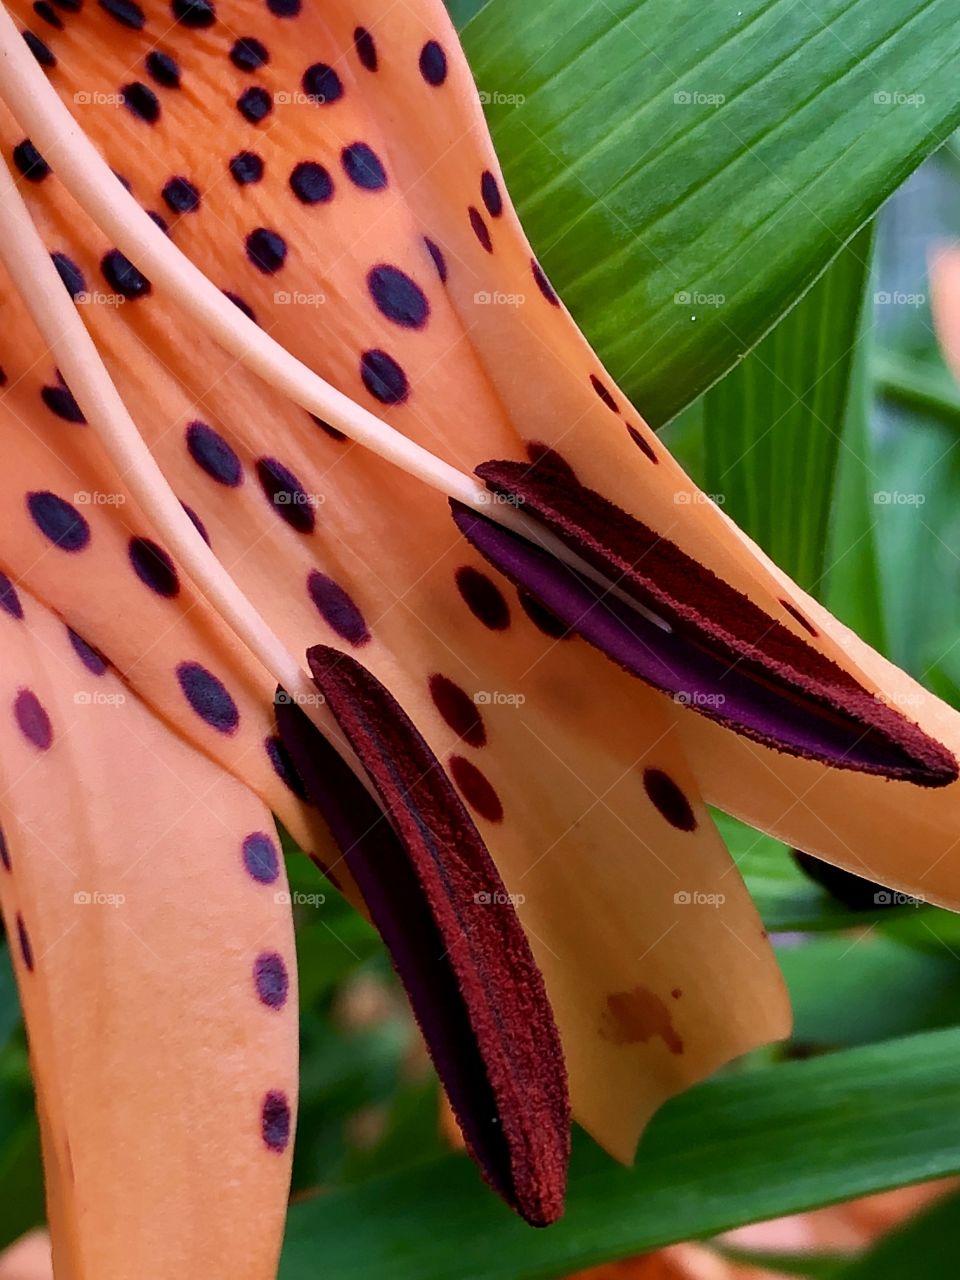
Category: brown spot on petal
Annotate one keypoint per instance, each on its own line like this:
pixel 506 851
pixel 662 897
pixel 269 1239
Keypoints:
pixel 634 1017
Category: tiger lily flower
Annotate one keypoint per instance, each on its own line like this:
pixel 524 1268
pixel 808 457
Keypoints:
pixel 269 422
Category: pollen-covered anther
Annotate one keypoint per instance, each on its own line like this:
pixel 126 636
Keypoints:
pixel 437 899
pixel 721 655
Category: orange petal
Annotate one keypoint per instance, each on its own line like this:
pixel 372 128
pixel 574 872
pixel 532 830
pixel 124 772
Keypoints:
pixel 945 302
pixel 145 901
pixel 335 547
pixel 28 1258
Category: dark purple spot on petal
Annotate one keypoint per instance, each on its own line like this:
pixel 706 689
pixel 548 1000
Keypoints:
pixel 59 400
pixel 194 13
pixel 33 720
pixel 26 950
pixel 197 523
pixel 795 613
pixel 91 658
pixel 126 12
pixel 239 303
pixel 543 284
pixel 480 228
pixel 287 495
pixel 208 696
pixel 337 608
pixel 311 183
pixel 275 1120
pixel 439 261
pixel 141 101
pixel 642 443
pixel 459 710
pixel 153 567
pixel 48 14
pixel 365 47
pixel 260 857
pixel 363 167
pixel 122 276
pixel 322 84
pixel 398 297
pixel 4 852
pixel 669 800
pixel 30 163
pixel 163 68
pixel 39 49
pixel 246 167
pixel 71 275
pixel 332 432
pixel 490 191
pixel 58 520
pixel 284 8
pixel 483 598
pixel 255 104
pixel 249 54
pixel 9 600
pixel 266 250
pixel 180 195
pixel 270 978
pixel 433 63
pixel 383 377
pixel 476 789
pixel 603 393
pixel 213 454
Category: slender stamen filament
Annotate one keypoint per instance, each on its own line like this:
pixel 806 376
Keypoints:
pixel 25 257
pixel 97 190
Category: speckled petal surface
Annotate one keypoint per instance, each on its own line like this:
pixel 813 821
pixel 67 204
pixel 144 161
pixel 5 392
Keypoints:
pixel 144 897
pixel 345 194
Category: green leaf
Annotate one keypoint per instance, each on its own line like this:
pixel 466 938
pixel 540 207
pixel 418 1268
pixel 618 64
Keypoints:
pixel 662 150
pixel 461 11
pixel 853 588
pixel 856 989
pixel 21 1173
pixel 773 425
pixel 918 384
pixel 751 1145
pixel 9 1000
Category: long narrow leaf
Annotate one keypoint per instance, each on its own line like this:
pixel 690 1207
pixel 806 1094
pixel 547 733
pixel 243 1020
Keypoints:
pixel 745 1147
pixel 687 170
